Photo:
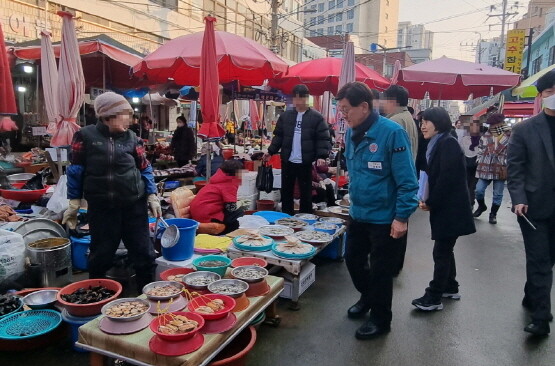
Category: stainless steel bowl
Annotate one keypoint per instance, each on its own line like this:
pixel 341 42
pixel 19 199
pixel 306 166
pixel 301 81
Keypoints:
pixel 263 272
pixel 211 275
pixel 129 318
pixel 151 285
pixel 40 299
pixel 20 177
pixel 244 287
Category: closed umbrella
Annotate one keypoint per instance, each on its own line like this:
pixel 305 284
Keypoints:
pixel 71 83
pixel 209 90
pixel 49 81
pixel 7 96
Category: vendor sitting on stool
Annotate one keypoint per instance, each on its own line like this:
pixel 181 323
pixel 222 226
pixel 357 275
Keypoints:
pixel 216 203
pixel 110 170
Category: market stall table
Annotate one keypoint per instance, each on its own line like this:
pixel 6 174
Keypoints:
pixel 134 348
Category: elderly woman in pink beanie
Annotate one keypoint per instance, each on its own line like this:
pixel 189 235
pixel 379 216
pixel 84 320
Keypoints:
pixel 110 170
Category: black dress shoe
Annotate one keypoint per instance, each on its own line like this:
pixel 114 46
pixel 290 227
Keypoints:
pixel 371 330
pixel 358 310
pixel 538 327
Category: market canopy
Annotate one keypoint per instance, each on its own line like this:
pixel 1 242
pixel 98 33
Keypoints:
pixel 238 58
pixel 103 58
pixel 322 75
pixel 527 89
pixel 449 79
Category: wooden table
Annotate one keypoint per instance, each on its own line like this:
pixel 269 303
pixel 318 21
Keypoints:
pixel 133 348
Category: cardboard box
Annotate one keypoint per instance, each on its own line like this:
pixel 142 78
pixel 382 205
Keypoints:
pixel 274 195
pixel 306 278
pixel 248 184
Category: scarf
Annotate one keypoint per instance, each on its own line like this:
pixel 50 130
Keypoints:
pixel 430 151
pixel 499 129
pixel 360 130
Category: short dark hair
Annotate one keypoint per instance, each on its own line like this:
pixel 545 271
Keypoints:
pixel 399 93
pixel 182 119
pixel 439 117
pixel 230 167
pixel 300 90
pixel 356 93
pixel 411 110
pixel 546 81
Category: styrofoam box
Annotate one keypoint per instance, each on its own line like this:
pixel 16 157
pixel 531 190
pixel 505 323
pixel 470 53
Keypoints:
pixel 248 184
pixel 251 201
pixel 306 278
pixel 274 195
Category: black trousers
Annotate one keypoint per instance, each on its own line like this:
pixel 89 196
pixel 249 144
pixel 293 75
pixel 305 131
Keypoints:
pixel 540 256
pixel 445 269
pixel 110 224
pixel 372 242
pixel 290 173
pixel 325 195
pixel 471 181
pixel 402 252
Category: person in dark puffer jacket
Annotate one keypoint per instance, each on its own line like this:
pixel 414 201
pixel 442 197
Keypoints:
pixel 303 137
pixel 110 170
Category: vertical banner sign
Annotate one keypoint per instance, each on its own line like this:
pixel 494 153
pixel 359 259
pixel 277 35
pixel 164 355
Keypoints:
pixel 514 49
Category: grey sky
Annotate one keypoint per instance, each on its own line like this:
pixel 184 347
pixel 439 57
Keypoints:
pixel 458 29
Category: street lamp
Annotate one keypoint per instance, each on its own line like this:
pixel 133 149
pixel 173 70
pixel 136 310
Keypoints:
pixel 374 49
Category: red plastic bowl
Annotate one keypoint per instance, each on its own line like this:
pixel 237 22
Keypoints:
pixel 175 271
pixel 86 310
pixel 248 261
pixel 166 318
pixel 31 195
pixel 229 304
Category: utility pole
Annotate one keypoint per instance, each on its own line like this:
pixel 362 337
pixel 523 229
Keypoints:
pixel 529 54
pixel 504 15
pixel 273 32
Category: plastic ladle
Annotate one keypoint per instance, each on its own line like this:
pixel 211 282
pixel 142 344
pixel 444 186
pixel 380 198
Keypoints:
pixel 170 237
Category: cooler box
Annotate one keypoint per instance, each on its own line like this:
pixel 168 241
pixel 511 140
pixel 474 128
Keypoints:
pixel 336 249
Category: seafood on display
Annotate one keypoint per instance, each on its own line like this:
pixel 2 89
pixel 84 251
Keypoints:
pixel 177 277
pixel 200 281
pixel 312 236
pixel 227 289
pixel 8 303
pixel 89 295
pixel 166 290
pixel 333 220
pixel 275 230
pixel 211 307
pixel 126 309
pixel 253 240
pixel 249 273
pixel 325 226
pixel 178 325
pixel 293 246
pixel 214 263
pixel 305 216
pixel 292 223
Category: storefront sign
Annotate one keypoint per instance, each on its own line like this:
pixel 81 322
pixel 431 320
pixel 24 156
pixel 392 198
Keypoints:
pixel 255 94
pixel 514 49
pixel 26 27
pixel 95 92
pixel 39 131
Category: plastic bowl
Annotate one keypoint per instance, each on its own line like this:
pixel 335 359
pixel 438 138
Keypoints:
pixel 308 218
pixel 263 272
pixel 219 270
pixel 244 287
pixel 248 261
pixel 172 184
pixel 151 285
pixel 166 318
pixel 326 227
pixel 20 177
pixel 18 309
pixel 174 272
pixel 229 304
pixel 40 299
pixel 128 318
pixel 211 275
pixel 86 310
pixel 26 196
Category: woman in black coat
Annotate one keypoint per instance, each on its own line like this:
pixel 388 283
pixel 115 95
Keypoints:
pixel 444 193
pixel 183 142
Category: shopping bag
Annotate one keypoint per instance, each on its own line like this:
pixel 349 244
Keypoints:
pixel 59 201
pixel 265 178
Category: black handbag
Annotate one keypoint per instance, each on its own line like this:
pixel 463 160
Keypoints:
pixel 265 178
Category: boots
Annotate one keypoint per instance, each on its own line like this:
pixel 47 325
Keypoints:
pixel 481 208
pixel 493 214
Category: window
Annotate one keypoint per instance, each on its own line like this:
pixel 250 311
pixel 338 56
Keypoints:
pixel 331 4
pixel 551 56
pixel 351 14
pixel 349 27
pixel 313 21
pixel 313 33
pixel 330 31
pixel 321 7
pixel 331 18
pixel 339 17
pixel 313 7
pixel 351 2
pixel 340 3
pixel 320 19
pixel 169 4
pixel 536 65
pixel 339 29
pixel 320 31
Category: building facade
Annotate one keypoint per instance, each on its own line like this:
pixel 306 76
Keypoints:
pixel 373 21
pixel 414 36
pixel 375 61
pixel 487 52
pixel 543 48
pixel 535 16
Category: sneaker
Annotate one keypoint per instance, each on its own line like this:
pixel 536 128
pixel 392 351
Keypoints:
pixel 451 295
pixel 427 303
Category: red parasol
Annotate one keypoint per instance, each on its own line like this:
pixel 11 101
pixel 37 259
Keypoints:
pixel 49 81
pixel 7 97
pixel 238 58
pixel 255 116
pixel 323 75
pixel 209 86
pixel 449 79
pixel 71 83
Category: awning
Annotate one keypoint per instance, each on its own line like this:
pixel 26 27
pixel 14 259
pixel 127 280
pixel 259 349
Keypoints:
pixel 518 109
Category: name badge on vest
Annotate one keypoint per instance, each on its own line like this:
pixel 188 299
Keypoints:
pixel 375 165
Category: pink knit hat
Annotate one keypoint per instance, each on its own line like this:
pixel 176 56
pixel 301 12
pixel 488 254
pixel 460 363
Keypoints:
pixel 110 104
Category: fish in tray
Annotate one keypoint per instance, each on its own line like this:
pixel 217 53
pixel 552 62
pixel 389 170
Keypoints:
pixel 275 230
pixel 253 240
pixel 292 223
pixel 311 236
pixel 293 245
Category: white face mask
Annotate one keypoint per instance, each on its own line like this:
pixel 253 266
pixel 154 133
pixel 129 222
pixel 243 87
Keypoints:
pixel 549 102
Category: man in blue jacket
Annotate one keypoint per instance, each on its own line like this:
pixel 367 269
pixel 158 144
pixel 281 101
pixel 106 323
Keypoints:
pixel 382 191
